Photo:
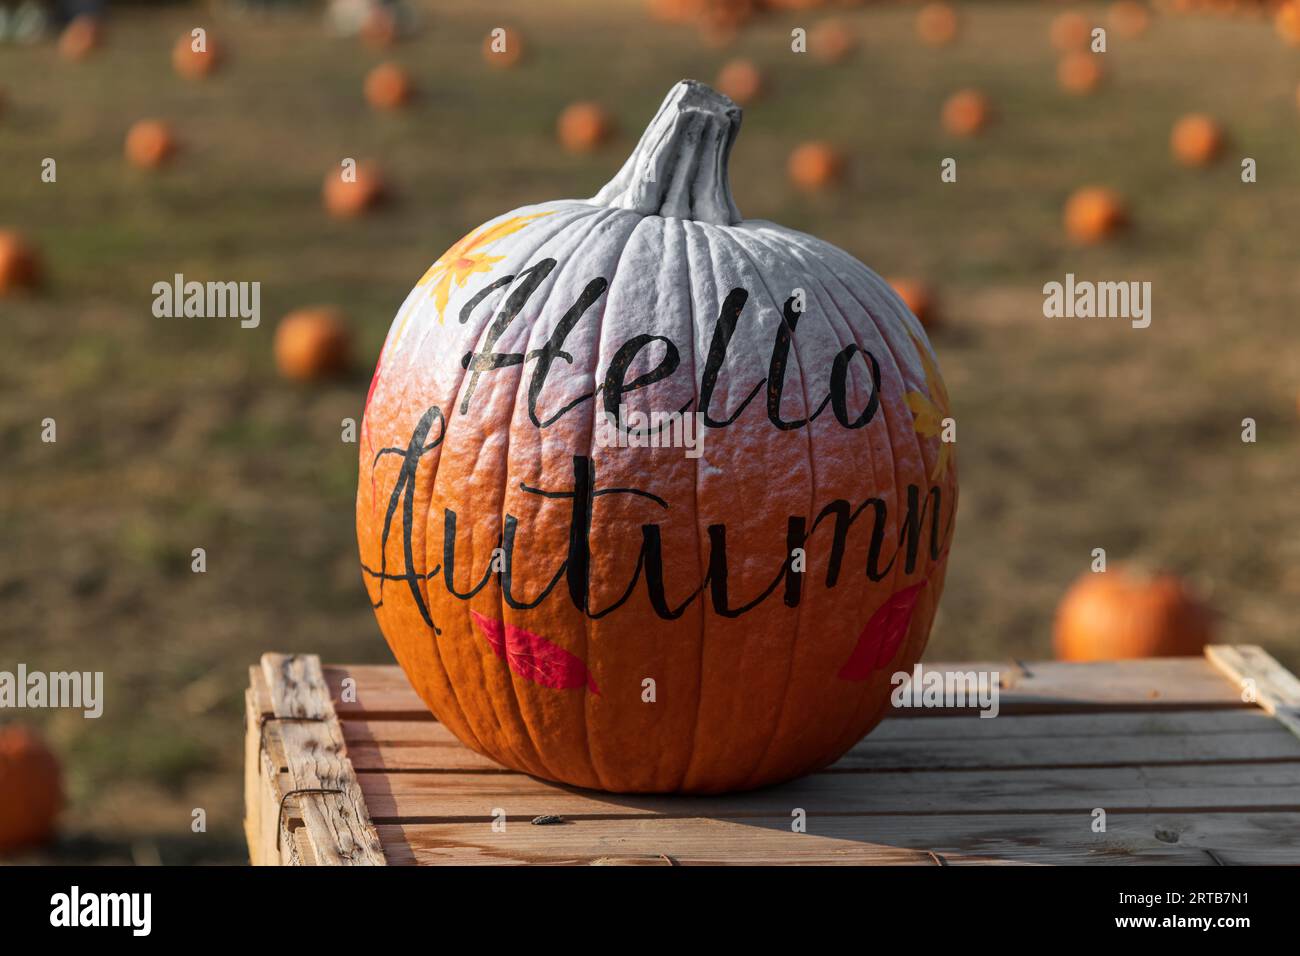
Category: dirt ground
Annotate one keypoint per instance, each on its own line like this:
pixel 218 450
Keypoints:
pixel 176 433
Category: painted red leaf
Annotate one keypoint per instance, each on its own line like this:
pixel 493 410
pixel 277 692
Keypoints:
pixel 880 639
pixel 533 657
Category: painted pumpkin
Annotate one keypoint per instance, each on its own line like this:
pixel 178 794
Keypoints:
pixel 312 343
pixel 31 792
pixel 150 144
pixel 388 87
pixel 1196 140
pixel 1122 613
pixel 966 113
pixel 1079 73
pixel 653 497
pixel 20 266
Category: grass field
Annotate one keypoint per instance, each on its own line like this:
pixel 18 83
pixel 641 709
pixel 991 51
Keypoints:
pixel 176 433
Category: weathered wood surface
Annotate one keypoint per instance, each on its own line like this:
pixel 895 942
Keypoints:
pixel 1187 769
pixel 304 803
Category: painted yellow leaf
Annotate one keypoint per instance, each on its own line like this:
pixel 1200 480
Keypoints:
pixel 929 410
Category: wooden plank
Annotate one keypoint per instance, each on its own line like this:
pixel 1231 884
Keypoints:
pixel 1260 679
pixel 394 798
pixel 321 780
pixel 1067 740
pixel 1165 838
pixel 382 692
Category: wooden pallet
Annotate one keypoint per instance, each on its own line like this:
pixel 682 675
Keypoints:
pixel 1186 770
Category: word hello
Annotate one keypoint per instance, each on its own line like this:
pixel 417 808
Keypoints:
pixel 76 689
pixel 636 429
pixel 103 909
pixel 208 300
pixel 1100 300
pixel 947 689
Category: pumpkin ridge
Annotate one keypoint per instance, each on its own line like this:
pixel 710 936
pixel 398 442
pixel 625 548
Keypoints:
pixel 733 236
pixel 815 263
pixel 594 221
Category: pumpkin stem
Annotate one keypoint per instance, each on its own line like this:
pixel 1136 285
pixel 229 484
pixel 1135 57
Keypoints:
pixel 679 169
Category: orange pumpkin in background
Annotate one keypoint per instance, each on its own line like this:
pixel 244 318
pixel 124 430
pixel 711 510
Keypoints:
pixel 584 127
pixel 196 64
pixel 312 344
pixel 31 789
pixel 388 87
pixel 1095 213
pixel 937 24
pixel 1128 18
pixel 1196 140
pixel 831 41
pixel 966 113
pixel 919 299
pixel 379 30
pixel 347 197
pixel 1287 22
pixel 1079 73
pixel 20 267
pixel 816 166
pixel 742 81
pixel 1121 613
pixel 81 37
pixel 1070 31
pixel 588 589
pixel 503 50
pixel 150 144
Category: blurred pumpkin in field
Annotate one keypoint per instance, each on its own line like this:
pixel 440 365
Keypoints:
pixel 312 343
pixel 1196 140
pixel 676 11
pixel 1094 213
pixel 831 41
pixel 378 29
pixel 192 63
pixel 388 87
pixel 1121 614
pixel 721 20
pixel 1079 73
pixel 967 113
pixel 1287 22
pixel 81 37
pixel 741 80
pixel 31 790
pixel 150 144
pixel 1070 31
pixel 584 127
pixel 918 298
pixel 1128 18
pixel 815 166
pixel 349 194
pixel 936 24
pixel 503 48
pixel 20 267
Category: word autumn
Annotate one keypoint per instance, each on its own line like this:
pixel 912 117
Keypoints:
pixel 1100 300
pixel 576 569
pixel 616 384
pixel 211 300
pixel 79 690
pixel 74 908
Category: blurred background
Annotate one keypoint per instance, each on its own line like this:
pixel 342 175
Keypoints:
pixel 176 434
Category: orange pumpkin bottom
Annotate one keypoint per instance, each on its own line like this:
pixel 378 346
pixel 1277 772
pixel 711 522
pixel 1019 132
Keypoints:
pixel 699 704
